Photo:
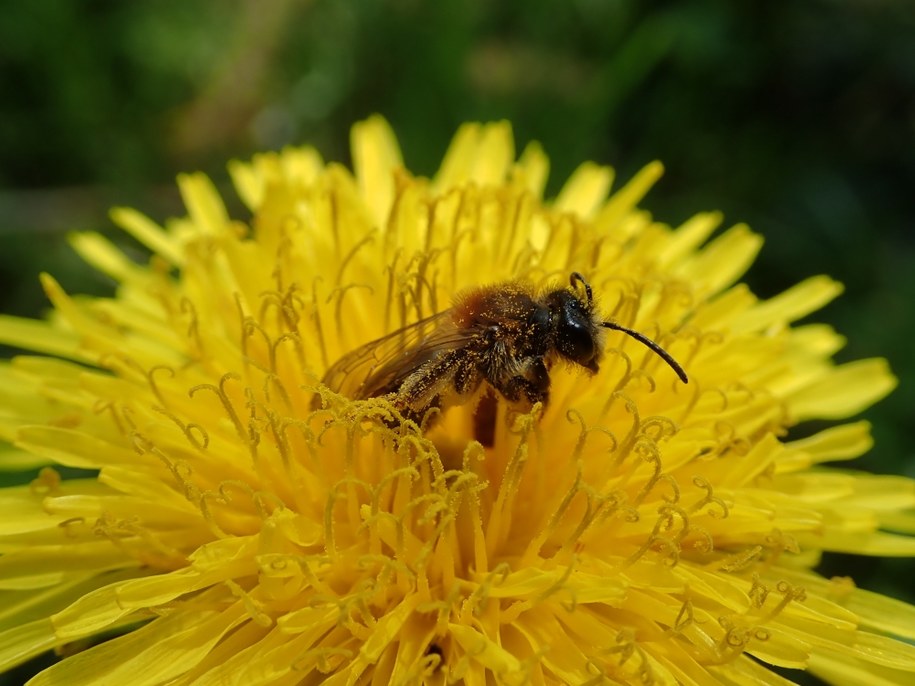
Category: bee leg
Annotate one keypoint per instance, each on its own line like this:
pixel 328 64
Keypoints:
pixel 484 419
pixel 535 387
pixel 519 387
pixel 422 390
pixel 467 377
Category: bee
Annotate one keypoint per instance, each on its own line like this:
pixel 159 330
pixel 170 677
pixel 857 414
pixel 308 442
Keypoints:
pixel 505 336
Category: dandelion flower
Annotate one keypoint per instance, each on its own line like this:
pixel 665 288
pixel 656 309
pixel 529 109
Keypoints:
pixel 243 524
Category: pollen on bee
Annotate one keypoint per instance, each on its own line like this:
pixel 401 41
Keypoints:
pixel 491 305
pixel 468 307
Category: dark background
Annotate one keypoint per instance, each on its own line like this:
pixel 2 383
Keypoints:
pixel 796 117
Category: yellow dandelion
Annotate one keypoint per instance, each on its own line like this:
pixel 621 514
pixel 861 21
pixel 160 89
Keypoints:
pixel 245 523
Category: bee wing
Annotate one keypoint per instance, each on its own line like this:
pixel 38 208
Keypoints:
pixel 381 366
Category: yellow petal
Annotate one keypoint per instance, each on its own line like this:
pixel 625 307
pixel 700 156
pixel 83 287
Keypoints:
pixel 25 641
pixel 838 443
pixel 72 448
pixel 42 566
pixel 689 236
pixel 40 337
pixel 622 203
pixel 534 168
pixel 148 233
pixel 23 509
pixel 207 211
pixel 479 153
pixel 376 156
pixel 484 650
pixel 385 631
pixel 585 191
pixel 819 340
pixel 843 392
pixel 20 460
pixel 162 650
pixel 723 260
pixel 798 301
pixel 105 256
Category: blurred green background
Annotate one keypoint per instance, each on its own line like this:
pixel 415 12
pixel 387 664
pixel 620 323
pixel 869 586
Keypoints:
pixel 796 117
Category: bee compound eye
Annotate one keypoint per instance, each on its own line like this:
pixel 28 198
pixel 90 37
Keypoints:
pixel 576 342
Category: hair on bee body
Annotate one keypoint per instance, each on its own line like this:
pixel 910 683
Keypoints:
pixel 505 336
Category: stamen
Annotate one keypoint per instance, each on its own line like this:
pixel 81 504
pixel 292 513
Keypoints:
pixel 153 386
pixel 193 330
pixel 348 258
pixel 194 433
pixel 710 498
pixel 220 393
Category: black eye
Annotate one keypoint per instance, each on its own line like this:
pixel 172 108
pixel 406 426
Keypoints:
pixel 576 343
pixel 575 334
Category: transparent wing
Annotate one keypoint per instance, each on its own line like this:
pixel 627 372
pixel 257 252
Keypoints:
pixel 381 366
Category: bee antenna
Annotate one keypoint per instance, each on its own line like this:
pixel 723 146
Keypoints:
pixel 576 278
pixel 655 348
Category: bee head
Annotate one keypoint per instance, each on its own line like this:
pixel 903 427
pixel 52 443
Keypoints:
pixel 576 334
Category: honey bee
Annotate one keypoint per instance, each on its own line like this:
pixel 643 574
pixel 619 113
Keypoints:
pixel 504 335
